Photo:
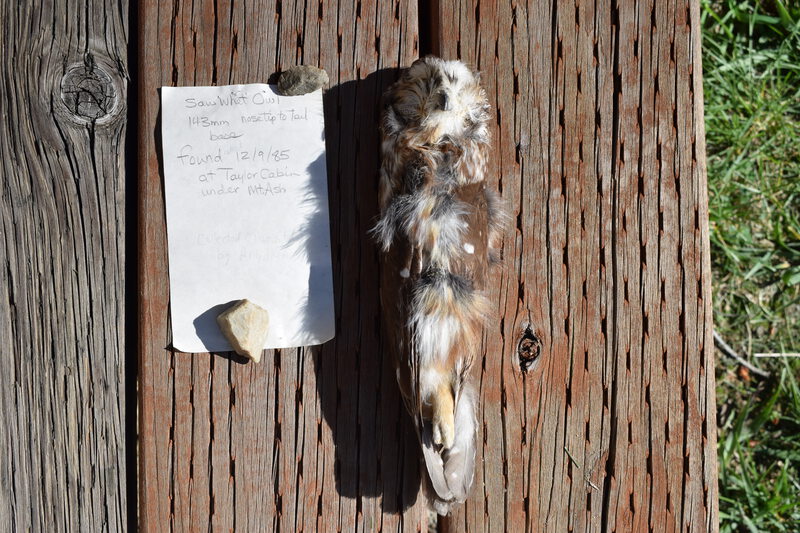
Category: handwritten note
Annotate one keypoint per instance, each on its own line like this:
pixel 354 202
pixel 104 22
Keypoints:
pixel 247 212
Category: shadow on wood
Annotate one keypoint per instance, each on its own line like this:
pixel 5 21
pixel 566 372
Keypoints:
pixel 377 453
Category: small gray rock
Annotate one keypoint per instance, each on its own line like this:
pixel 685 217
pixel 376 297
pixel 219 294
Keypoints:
pixel 301 80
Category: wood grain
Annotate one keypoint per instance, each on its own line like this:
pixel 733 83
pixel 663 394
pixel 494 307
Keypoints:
pixel 312 438
pixel 597 386
pixel 599 153
pixel 62 256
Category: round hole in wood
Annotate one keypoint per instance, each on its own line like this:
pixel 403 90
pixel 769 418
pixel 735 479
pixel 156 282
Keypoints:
pixel 528 349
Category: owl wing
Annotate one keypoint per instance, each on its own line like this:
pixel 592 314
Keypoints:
pixel 406 270
pixel 451 470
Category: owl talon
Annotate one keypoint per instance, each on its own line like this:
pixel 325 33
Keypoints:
pixel 437 435
pixel 444 431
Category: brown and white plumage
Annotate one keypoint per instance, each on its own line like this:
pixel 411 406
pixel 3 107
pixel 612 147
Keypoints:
pixel 437 230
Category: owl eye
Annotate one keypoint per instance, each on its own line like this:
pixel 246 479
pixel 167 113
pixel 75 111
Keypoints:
pixel 444 102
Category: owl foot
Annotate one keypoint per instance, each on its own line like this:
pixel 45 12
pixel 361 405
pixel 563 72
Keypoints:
pixel 444 430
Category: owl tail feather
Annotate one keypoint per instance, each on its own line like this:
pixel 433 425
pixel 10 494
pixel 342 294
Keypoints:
pixel 451 470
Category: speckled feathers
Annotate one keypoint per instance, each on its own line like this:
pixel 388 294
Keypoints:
pixel 438 230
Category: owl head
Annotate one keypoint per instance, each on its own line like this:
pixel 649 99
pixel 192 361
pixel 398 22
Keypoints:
pixel 439 98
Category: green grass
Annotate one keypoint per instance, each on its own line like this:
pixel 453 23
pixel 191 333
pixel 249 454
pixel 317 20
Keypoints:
pixel 751 63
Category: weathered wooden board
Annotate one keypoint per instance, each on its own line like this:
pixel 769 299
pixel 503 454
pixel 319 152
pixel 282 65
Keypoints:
pixel 599 153
pixel 600 156
pixel 62 255
pixel 308 439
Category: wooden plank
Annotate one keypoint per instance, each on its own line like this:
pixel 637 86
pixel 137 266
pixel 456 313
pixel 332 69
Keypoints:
pixel 599 154
pixel 62 258
pixel 308 439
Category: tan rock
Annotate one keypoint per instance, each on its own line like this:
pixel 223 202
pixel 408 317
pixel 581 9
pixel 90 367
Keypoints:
pixel 245 325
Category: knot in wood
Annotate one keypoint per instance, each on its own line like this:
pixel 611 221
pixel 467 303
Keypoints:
pixel 88 91
pixel 528 349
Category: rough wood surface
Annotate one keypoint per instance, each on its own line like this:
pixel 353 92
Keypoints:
pixel 308 439
pixel 62 233
pixel 597 386
pixel 599 153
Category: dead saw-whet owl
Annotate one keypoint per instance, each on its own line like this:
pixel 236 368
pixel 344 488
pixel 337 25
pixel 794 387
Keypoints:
pixel 438 230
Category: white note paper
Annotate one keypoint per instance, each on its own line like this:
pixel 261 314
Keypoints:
pixel 247 212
